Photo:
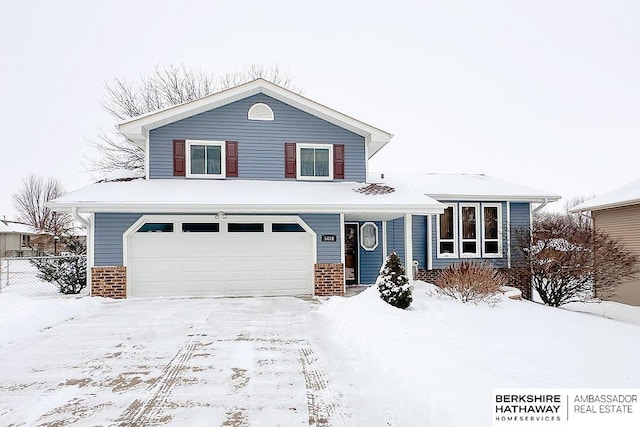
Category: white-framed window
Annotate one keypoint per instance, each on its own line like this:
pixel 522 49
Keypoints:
pixel 369 236
pixel 491 230
pixel 315 161
pixel 206 159
pixel 447 236
pixel 469 230
pixel 261 112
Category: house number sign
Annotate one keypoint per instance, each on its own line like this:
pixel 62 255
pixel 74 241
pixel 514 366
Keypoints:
pixel 329 238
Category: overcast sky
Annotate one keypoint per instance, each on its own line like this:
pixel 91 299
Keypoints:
pixel 544 93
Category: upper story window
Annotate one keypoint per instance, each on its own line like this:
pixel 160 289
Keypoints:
pixel 205 159
pixel 261 112
pixel 446 233
pixel 315 161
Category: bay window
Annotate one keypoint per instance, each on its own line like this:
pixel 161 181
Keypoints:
pixel 446 233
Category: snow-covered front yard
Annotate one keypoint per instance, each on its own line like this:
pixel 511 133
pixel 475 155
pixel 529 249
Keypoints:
pixel 286 361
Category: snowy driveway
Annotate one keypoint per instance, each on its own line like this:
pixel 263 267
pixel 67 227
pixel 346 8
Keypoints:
pixel 238 361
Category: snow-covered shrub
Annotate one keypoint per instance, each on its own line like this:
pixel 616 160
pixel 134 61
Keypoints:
pixel 69 272
pixel 471 282
pixel 393 284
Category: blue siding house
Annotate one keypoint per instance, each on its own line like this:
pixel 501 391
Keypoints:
pixel 257 190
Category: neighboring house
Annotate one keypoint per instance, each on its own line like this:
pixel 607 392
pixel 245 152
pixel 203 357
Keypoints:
pixel 617 213
pixel 17 239
pixel 257 190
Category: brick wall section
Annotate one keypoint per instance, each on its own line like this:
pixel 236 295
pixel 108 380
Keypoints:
pixel 109 282
pixel 329 279
pixel 428 276
pixel 517 279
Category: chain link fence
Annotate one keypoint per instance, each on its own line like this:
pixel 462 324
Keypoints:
pixel 20 276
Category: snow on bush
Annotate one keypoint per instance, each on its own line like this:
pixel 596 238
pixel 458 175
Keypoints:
pixel 68 273
pixel 471 282
pixel 393 284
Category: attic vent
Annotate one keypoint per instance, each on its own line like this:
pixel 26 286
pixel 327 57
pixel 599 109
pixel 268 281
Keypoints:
pixel 260 111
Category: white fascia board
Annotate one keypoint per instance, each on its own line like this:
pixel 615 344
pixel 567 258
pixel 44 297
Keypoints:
pixel 493 198
pixel 178 208
pixel 134 129
pixel 588 208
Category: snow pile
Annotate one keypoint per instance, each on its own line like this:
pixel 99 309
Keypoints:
pixel 22 317
pixel 437 362
pixel 608 309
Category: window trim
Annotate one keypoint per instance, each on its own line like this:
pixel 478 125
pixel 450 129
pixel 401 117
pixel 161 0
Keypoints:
pixel 300 146
pixel 223 159
pixel 375 226
pixel 478 239
pixel 454 240
pixel 484 239
pixel 256 106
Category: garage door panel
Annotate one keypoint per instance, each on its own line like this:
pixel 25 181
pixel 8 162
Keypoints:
pixel 222 263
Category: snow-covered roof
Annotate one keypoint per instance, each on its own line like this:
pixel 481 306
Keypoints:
pixel 465 187
pixel 17 228
pixel 357 200
pixel 626 195
pixel 137 128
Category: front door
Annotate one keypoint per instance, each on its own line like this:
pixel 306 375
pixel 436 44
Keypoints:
pixel 351 253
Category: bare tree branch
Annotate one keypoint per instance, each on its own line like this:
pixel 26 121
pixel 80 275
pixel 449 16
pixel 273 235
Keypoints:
pixel 164 87
pixel 30 202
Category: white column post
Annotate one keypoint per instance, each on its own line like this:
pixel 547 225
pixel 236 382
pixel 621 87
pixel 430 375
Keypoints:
pixel 408 245
pixel 342 256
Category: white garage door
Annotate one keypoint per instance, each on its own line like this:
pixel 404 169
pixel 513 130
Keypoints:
pixel 244 256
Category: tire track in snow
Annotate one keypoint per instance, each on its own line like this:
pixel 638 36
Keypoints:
pixel 150 410
pixel 325 403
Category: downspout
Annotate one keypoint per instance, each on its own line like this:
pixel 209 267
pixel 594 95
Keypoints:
pixel 89 243
pixel 77 217
pixel 546 201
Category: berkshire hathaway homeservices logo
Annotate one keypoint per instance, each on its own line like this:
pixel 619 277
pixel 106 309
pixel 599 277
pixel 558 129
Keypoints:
pixel 566 407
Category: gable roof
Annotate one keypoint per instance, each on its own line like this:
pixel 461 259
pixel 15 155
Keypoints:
pixel 623 196
pixel 466 187
pixel 137 128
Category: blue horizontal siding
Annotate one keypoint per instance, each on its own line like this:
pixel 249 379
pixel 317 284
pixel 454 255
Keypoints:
pixel 520 224
pixel 108 231
pixel 395 238
pixel 419 236
pixel 327 252
pixel 371 261
pixel 260 143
